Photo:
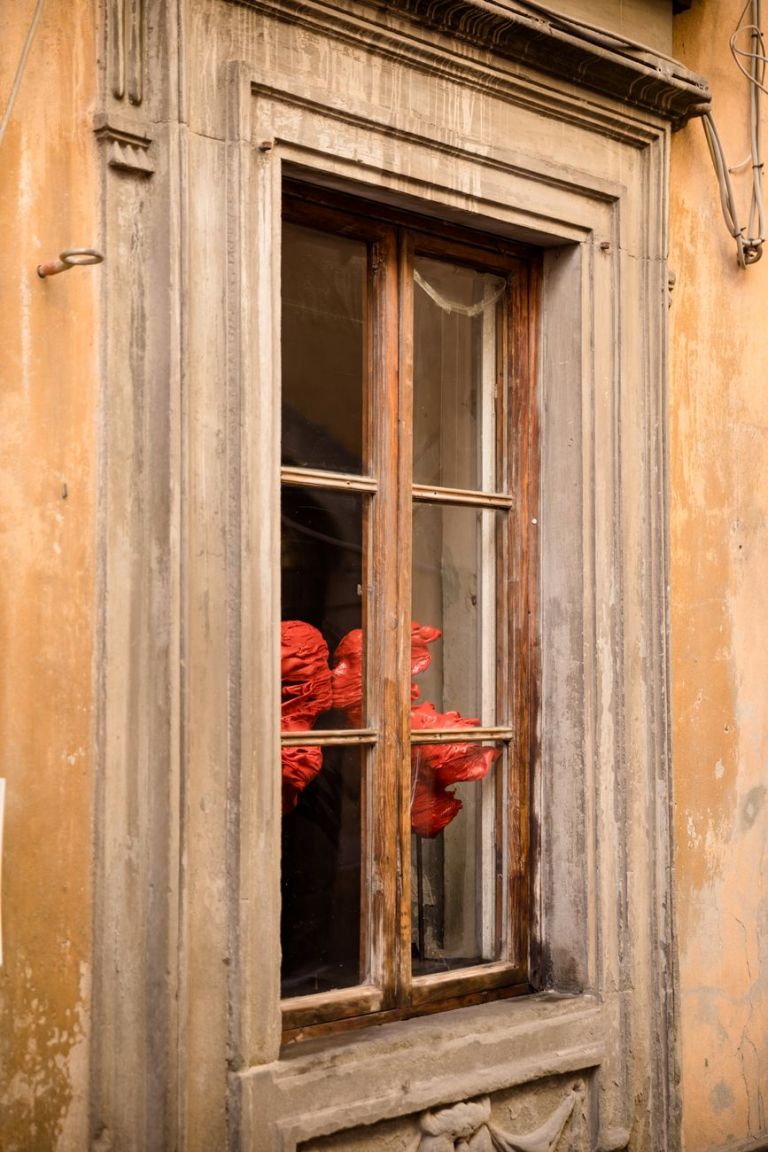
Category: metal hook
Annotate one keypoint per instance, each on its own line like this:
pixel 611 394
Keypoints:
pixel 71 258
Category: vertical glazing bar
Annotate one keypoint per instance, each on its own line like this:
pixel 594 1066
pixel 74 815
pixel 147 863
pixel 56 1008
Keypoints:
pixel 523 543
pixel 489 655
pixel 405 534
pixel 383 649
pixel 371 759
pixel 505 704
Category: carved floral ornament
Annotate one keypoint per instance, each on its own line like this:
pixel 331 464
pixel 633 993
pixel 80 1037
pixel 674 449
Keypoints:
pixel 468 1127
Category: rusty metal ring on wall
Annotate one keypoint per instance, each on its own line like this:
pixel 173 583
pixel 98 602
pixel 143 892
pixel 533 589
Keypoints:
pixel 74 256
pixel 70 258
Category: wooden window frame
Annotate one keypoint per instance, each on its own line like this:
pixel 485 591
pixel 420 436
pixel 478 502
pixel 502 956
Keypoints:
pixel 390 992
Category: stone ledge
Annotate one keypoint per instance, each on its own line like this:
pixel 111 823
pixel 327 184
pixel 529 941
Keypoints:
pixel 400 1069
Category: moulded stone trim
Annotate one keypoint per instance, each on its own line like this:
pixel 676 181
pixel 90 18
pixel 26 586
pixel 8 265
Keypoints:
pixel 125 148
pixel 125 29
pixel 598 213
pixel 609 65
pixel 564 48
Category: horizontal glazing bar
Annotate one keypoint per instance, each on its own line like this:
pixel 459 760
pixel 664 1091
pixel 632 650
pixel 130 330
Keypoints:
pixel 314 478
pixel 460 735
pixel 319 739
pixel 428 494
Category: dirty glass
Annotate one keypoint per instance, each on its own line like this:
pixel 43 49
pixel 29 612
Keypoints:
pixel 454 590
pixel 322 576
pixel 323 349
pixel 454 375
pixel 453 857
pixel 320 876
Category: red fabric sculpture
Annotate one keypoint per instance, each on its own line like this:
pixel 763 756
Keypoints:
pixel 432 807
pixel 347 677
pixel 300 765
pixel 304 664
pixel 306 692
pixel 436 766
pixel 421 657
pixel 309 687
pixel 347 671
pixel 451 763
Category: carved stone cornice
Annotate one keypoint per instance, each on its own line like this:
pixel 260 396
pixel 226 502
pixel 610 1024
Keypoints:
pixel 524 34
pixel 603 62
pixel 127 144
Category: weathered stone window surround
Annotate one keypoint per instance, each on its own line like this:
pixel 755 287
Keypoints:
pixel 436 113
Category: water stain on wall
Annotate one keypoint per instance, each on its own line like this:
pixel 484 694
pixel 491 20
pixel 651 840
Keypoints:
pixel 719 629
pixel 49 337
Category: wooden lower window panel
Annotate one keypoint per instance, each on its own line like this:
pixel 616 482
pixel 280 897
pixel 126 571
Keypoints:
pixel 449 985
pixel 293 1034
pixel 333 1010
pixel 306 1011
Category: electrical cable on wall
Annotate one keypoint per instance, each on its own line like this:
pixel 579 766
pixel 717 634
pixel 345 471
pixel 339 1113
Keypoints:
pixel 749 240
pixel 20 69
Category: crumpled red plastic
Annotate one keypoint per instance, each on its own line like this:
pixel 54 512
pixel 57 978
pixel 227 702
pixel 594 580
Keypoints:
pixel 347 671
pixel 306 678
pixel 436 766
pixel 306 692
pixel 309 687
pixel 299 765
pixel 421 657
pixel 451 763
pixel 347 677
pixel 432 807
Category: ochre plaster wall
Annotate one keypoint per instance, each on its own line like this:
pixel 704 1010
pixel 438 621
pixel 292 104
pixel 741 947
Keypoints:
pixel 719 580
pixel 48 372
pixel 647 22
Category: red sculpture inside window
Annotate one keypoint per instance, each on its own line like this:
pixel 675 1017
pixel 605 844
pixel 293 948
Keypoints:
pixel 310 687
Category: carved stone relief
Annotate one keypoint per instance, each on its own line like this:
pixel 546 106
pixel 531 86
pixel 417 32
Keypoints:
pixel 470 1128
pixel 127 138
pixel 125 149
pixel 551 1115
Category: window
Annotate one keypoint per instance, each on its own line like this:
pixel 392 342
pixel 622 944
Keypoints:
pixel 409 466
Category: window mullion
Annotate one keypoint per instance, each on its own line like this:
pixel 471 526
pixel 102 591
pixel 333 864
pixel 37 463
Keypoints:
pixel 383 655
pixel 523 464
pixel 404 575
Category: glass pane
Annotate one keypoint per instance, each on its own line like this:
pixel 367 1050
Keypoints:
pixel 454 375
pixel 454 590
pixel 321 868
pixel 453 856
pixel 323 349
pixel 322 595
